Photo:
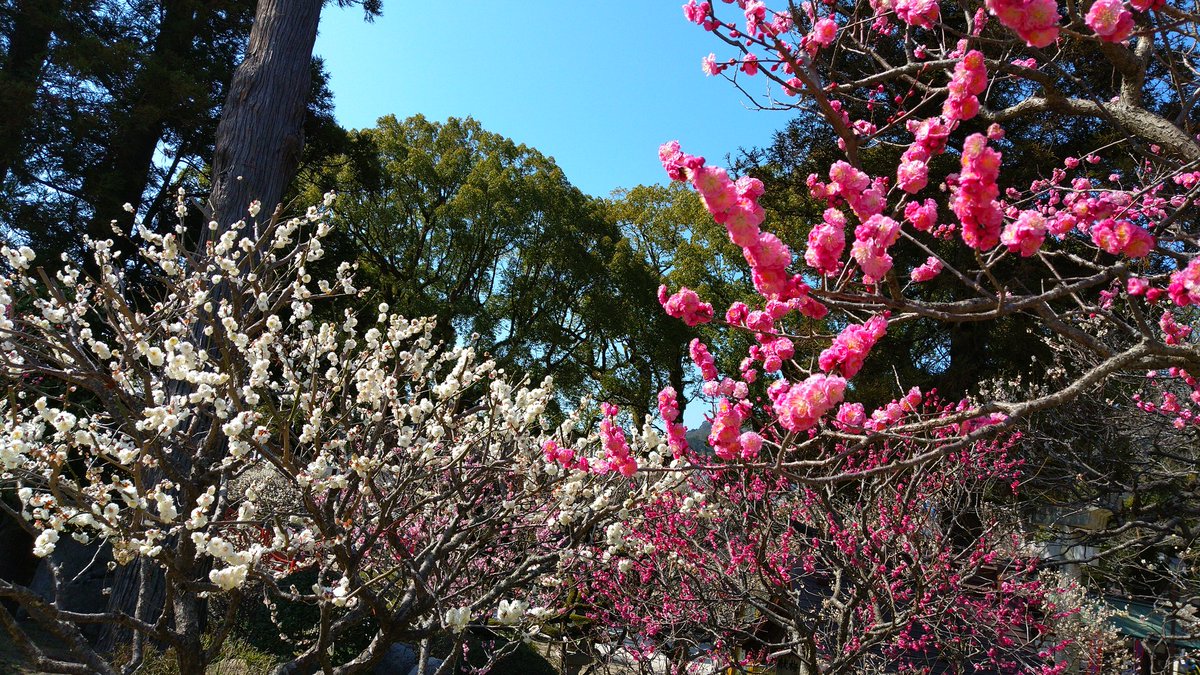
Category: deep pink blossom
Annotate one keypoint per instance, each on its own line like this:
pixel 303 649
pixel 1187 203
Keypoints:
pixel 617 455
pixel 826 243
pixel 851 416
pixel 668 409
pixel 750 64
pixel 922 215
pixel 923 13
pixel 851 346
pixel 726 430
pixel 1184 288
pixel 974 199
pixel 1111 20
pixel 1026 234
pixel 1121 237
pixel 1036 21
pixel 870 249
pixel 676 162
pixel 696 12
pixel 686 305
pixel 968 81
pixel 927 270
pixel 912 176
pixel 824 32
pixel 703 359
pixel 803 404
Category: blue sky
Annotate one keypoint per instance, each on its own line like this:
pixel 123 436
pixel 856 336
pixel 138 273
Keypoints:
pixel 596 85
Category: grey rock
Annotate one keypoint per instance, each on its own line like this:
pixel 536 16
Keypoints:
pixel 430 668
pixel 399 660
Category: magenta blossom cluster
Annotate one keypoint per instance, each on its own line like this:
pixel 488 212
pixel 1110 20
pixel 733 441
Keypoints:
pixel 617 456
pixel 1111 20
pixel 686 305
pixel 668 410
pixel 800 406
pixel 968 81
pixel 974 199
pixel 1036 21
pixel 735 205
pixel 850 348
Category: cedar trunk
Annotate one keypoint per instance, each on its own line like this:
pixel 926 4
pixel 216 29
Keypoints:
pixel 262 126
pixel 258 148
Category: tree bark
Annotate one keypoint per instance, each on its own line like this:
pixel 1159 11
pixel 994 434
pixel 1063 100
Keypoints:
pixel 258 145
pixel 262 126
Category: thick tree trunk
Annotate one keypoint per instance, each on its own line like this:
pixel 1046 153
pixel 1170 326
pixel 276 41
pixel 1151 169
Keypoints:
pixel 21 73
pixel 262 126
pixel 258 148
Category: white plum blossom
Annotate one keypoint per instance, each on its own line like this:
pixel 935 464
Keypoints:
pixel 245 433
pixel 45 542
pixel 229 578
pixel 511 611
pixel 457 619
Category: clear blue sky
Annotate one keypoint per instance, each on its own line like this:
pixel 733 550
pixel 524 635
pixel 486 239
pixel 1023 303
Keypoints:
pixel 596 85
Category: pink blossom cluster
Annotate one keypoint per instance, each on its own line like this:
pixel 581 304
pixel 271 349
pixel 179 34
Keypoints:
pixel 700 14
pixel 703 360
pixel 710 67
pixel 912 174
pixel 1036 21
pixel 769 259
pixel 826 243
pixel 735 204
pixel 1173 332
pixel 1122 237
pixel 668 409
pixel 750 64
pixel 726 436
pixel 800 406
pixel 929 140
pixel 850 417
pixel 851 346
pixel 772 351
pixel 617 455
pixel 824 32
pixel 756 16
pixel 872 239
pixel 1025 234
pixel 1184 287
pixel 968 81
pixel 927 270
pixel 676 162
pixel 923 13
pixel 922 215
pixel 865 197
pixel 686 305
pixel 1111 20
pixel 1170 404
pixel 728 386
pixel 890 414
pixel 565 457
pixel 974 199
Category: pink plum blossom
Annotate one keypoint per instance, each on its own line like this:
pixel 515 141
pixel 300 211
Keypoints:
pixel 1110 20
pixel 686 305
pixel 927 270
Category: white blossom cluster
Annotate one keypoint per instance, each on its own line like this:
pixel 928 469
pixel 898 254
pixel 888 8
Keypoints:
pixel 399 467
